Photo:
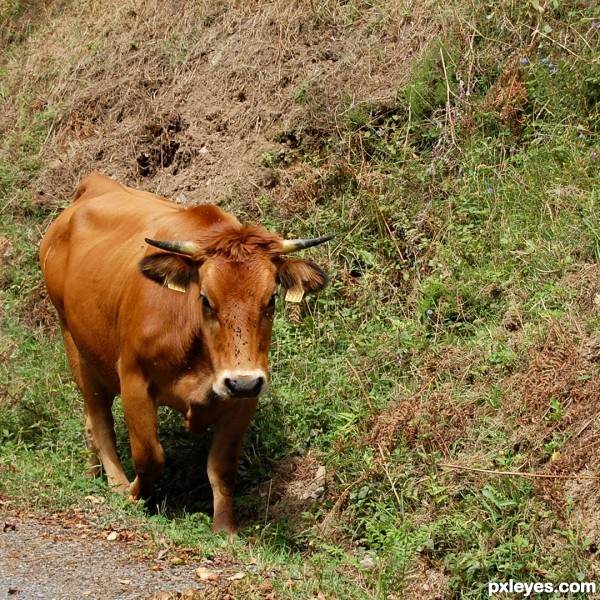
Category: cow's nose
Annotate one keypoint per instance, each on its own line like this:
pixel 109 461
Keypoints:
pixel 244 386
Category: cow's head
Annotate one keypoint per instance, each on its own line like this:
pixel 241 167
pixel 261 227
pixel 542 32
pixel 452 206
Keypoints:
pixel 237 272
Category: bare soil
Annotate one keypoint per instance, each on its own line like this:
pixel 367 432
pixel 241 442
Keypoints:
pixel 187 101
pixel 67 557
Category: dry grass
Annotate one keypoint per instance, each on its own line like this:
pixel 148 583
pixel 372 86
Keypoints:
pixel 249 72
pixel 555 406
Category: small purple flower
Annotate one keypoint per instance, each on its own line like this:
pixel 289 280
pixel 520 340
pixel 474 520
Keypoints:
pixel 581 136
pixel 594 155
pixel 429 311
pixel 594 25
pixel 489 190
pixel 553 71
pixel 545 60
pixel 524 61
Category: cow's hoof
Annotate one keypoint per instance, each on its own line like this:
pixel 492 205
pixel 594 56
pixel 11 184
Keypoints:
pixel 230 529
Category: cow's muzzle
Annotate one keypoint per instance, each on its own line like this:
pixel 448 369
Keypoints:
pixel 241 385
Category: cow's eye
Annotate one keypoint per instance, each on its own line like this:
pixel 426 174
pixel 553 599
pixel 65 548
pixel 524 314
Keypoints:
pixel 205 302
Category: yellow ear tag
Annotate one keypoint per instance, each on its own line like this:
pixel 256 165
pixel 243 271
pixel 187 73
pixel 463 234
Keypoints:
pixel 175 287
pixel 294 294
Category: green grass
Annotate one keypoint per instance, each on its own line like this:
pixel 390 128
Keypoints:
pixel 452 214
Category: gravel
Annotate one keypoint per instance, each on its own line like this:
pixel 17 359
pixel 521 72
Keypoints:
pixel 60 562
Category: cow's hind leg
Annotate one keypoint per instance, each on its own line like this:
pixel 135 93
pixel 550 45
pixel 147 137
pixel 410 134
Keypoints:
pixel 99 422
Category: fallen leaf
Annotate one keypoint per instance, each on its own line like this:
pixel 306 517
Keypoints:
pixel 237 576
pixel 177 560
pixel 204 574
pixel 112 536
pixel 95 499
pixel 125 581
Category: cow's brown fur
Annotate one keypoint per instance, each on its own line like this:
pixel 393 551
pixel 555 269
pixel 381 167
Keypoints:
pixel 160 328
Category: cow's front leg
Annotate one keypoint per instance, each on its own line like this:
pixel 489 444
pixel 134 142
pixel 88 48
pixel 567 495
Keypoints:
pixel 223 461
pixel 141 417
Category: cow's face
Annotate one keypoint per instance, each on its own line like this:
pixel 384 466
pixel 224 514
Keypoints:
pixel 236 302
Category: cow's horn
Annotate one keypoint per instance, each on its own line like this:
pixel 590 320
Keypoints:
pixel 300 244
pixel 187 248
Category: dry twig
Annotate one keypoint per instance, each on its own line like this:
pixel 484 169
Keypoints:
pixel 518 473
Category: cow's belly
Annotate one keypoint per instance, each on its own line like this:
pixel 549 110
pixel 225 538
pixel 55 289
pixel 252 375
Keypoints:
pixel 96 353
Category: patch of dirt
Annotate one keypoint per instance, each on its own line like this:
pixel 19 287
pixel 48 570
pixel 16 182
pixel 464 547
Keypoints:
pixel 66 557
pixel 425 582
pixel 185 100
pixel 586 496
pixel 295 485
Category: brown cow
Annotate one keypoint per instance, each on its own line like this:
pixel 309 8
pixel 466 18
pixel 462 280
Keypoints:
pixel 188 326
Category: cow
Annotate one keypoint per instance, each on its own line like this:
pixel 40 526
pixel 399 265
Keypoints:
pixel 172 306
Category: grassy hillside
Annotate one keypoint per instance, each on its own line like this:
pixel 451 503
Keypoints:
pixel 434 416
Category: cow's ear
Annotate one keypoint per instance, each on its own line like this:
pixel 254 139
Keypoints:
pixel 171 270
pixel 299 273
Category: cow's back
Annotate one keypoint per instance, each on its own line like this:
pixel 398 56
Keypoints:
pixel 99 232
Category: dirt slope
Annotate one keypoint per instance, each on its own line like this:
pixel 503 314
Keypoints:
pixel 186 100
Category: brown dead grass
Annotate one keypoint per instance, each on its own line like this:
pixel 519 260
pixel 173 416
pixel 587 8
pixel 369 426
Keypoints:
pixel 507 98
pixel 564 367
pixel 185 98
